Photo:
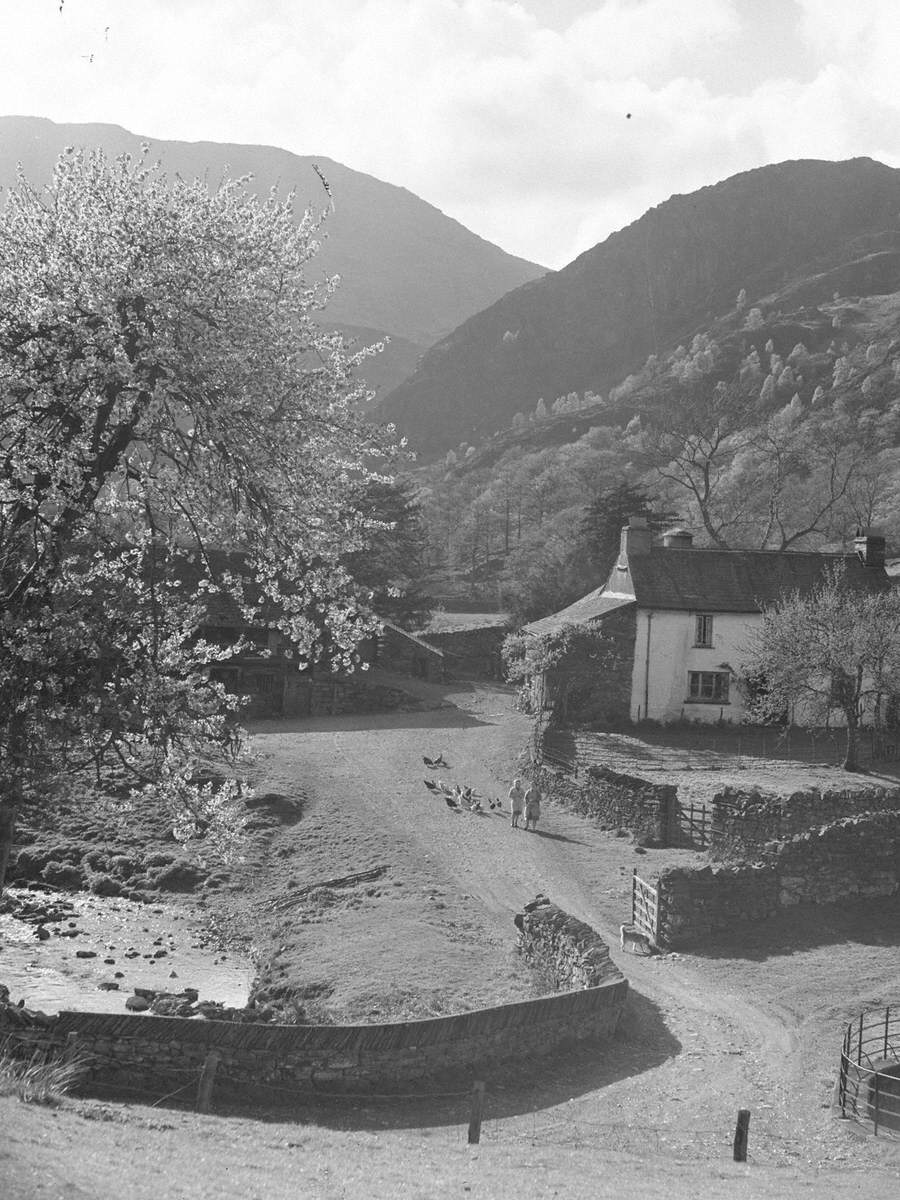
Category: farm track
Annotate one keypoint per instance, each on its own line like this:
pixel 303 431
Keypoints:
pixel 699 1039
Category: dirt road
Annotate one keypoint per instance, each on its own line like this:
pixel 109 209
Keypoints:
pixel 701 1037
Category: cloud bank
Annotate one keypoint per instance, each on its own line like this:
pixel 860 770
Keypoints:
pixel 512 117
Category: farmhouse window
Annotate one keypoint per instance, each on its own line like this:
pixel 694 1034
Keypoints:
pixel 703 629
pixel 708 687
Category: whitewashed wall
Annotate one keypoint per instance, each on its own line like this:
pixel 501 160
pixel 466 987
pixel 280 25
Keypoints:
pixel 662 693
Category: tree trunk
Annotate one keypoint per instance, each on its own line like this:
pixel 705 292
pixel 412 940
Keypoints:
pixel 851 756
pixel 11 792
pixel 8 811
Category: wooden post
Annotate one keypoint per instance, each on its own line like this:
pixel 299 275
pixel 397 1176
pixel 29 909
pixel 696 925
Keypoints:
pixel 71 1050
pixel 475 1114
pixel 207 1079
pixel 740 1135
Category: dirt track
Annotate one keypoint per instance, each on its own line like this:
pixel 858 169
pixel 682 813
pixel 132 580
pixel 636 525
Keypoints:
pixel 701 1037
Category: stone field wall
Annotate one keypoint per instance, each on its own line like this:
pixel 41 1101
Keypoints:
pixel 854 857
pixel 614 800
pixel 568 953
pixel 744 820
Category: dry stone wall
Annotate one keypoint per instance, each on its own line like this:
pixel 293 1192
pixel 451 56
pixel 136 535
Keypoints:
pixel 853 857
pixel 157 1053
pixel 566 951
pixel 744 820
pixel 615 800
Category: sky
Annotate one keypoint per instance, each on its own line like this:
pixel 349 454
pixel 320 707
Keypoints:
pixel 542 125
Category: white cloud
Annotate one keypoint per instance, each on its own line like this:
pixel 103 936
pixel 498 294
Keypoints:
pixel 511 122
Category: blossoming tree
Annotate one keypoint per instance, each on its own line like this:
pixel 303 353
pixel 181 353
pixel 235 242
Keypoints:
pixel 164 390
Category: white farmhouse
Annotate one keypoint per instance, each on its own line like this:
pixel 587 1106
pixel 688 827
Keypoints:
pixel 680 618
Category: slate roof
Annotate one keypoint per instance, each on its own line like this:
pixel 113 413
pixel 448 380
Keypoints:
pixel 590 607
pixel 736 580
pixel 739 581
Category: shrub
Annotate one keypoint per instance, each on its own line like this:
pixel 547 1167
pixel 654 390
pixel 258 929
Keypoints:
pixel 105 885
pixel 62 875
pixel 180 876
pixel 36 1081
pixel 123 866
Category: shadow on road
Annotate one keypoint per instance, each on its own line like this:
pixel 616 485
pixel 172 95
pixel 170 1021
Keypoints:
pixel 557 837
pixel 867 922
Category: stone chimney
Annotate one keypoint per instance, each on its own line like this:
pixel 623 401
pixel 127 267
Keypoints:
pixel 869 546
pixel 637 538
pixel 678 539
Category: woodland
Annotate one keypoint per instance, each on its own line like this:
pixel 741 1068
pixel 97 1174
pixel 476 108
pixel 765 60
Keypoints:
pixel 776 428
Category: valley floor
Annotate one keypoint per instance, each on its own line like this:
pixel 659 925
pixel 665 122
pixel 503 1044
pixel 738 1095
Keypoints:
pixel 754 1021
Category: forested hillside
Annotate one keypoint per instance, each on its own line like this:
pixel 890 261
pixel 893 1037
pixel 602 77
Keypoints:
pixel 778 426
pixel 816 227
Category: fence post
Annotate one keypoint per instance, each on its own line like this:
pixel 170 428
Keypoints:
pixel 207 1079
pixel 887 1017
pixel 475 1114
pixel 875 1099
pixel 740 1135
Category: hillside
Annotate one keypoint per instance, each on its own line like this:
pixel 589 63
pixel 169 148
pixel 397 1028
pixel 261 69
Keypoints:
pixel 408 270
pixel 652 285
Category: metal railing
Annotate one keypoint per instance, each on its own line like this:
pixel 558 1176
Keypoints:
pixel 869 1078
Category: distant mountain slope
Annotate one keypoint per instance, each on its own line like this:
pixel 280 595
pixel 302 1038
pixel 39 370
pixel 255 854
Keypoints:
pixel 407 269
pixel 646 288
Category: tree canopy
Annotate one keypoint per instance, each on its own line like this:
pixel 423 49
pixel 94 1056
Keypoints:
pixel 164 390
pixel 836 649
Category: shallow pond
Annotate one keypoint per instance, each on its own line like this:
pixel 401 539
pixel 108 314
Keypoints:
pixel 151 946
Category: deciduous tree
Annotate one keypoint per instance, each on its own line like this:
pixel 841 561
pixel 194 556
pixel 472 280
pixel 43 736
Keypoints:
pixel 835 649
pixel 164 389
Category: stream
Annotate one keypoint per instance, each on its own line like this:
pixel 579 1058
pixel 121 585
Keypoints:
pixel 112 941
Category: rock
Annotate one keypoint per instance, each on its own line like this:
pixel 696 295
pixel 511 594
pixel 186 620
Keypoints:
pixel 146 993
pixel 85 953
pixel 161 954
pixel 108 985
pixel 190 994
pixel 173 974
pixel 41 933
pixel 137 1004
pixel 120 974
pixel 109 961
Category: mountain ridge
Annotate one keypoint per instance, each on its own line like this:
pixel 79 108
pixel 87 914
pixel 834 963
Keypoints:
pixel 644 288
pixel 407 269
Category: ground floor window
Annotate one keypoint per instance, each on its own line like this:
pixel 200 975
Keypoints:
pixel 708 686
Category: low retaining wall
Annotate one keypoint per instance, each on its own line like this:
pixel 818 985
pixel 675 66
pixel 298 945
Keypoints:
pixel 615 801
pixel 565 950
pixel 746 819
pixel 854 857
pixel 298 1059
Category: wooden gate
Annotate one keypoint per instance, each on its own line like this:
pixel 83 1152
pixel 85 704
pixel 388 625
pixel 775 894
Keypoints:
pixel 695 821
pixel 644 907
